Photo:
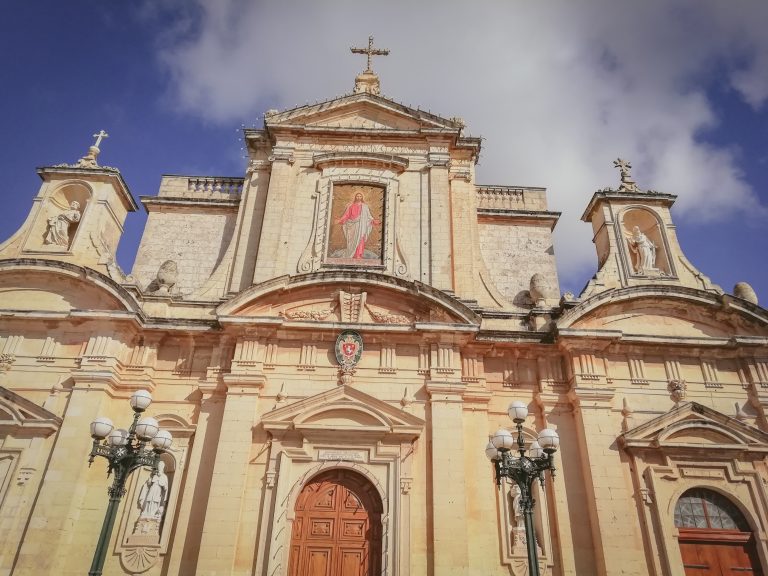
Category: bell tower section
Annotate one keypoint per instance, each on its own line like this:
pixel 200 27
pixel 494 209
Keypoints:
pixel 635 239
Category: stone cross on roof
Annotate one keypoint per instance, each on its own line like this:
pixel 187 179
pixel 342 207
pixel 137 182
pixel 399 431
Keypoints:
pixel 370 51
pixel 627 184
pixel 101 135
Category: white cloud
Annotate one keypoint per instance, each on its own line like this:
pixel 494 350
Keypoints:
pixel 557 89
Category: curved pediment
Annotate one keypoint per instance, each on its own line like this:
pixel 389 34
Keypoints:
pixel 669 312
pixel 47 286
pixel 334 298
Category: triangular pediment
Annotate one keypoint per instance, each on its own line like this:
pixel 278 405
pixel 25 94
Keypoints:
pixel 692 426
pixel 20 417
pixel 341 411
pixel 361 111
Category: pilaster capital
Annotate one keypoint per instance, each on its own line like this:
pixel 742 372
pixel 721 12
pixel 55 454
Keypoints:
pixel 445 391
pixel 592 397
pixel 245 383
pixel 438 160
pixel 282 154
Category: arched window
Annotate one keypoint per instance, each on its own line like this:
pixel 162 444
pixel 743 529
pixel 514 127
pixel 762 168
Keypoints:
pixel 700 508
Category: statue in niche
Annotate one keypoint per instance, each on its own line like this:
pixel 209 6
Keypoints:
pixel 57 232
pixel 517 520
pixel 645 250
pixel 152 500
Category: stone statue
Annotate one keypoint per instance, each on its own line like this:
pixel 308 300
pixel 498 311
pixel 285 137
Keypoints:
pixel 58 226
pixel 517 513
pixel 641 245
pixel 166 279
pixel 154 495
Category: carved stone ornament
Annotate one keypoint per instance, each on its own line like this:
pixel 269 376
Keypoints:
pixel 387 318
pixel 5 361
pixel 540 290
pixel 627 184
pixel 316 315
pixel 165 283
pixel 745 292
pixel 140 558
pixel 349 349
pixel 677 390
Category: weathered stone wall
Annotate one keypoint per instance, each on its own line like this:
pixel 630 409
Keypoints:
pixel 513 253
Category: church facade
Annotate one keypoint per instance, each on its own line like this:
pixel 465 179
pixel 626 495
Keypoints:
pixel 332 338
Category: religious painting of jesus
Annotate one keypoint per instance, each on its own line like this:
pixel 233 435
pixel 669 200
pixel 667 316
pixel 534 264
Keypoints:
pixel 356 231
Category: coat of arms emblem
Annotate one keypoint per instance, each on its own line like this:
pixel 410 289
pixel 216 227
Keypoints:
pixel 349 348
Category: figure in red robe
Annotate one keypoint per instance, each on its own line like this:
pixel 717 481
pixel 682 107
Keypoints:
pixel 357 223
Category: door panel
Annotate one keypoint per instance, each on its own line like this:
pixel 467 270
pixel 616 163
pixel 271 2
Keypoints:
pixel 336 530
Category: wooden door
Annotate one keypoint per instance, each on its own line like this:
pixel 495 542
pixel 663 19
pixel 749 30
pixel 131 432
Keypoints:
pixel 715 538
pixel 723 554
pixel 337 527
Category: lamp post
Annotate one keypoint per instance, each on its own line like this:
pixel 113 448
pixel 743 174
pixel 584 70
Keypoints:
pixel 523 469
pixel 125 450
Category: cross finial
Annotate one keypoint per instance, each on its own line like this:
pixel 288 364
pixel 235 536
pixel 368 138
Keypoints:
pixel 99 137
pixel 624 166
pixel 627 184
pixel 370 51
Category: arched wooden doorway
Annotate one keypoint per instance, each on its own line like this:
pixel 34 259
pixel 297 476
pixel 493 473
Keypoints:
pixel 337 527
pixel 715 538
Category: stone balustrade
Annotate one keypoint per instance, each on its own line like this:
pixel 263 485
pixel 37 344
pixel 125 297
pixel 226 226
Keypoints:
pixel 511 198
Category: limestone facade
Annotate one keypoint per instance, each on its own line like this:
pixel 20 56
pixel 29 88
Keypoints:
pixel 655 379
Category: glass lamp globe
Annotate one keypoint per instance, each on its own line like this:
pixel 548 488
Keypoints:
pixel 518 411
pixel 503 440
pixel 490 451
pixel 141 400
pixel 549 440
pixel 162 440
pixel 101 427
pixel 118 437
pixel 147 428
pixel 535 451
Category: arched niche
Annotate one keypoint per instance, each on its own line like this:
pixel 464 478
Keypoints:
pixel 645 245
pixel 60 217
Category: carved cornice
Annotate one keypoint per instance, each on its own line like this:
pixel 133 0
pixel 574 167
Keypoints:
pixel 390 161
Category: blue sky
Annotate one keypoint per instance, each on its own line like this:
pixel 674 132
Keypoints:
pixel 558 91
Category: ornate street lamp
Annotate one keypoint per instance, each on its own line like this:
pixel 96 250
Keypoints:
pixel 125 450
pixel 523 469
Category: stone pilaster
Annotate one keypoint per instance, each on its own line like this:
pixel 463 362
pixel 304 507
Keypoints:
pixel 73 498
pixel 219 543
pixel 439 215
pixel 280 198
pixel 449 490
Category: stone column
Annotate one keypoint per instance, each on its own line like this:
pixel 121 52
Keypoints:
pixel 448 483
pixel 440 221
pixel 219 542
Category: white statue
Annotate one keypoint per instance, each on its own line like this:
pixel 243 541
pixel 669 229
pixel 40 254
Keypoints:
pixel 154 494
pixel 58 226
pixel 641 245
pixel 517 513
